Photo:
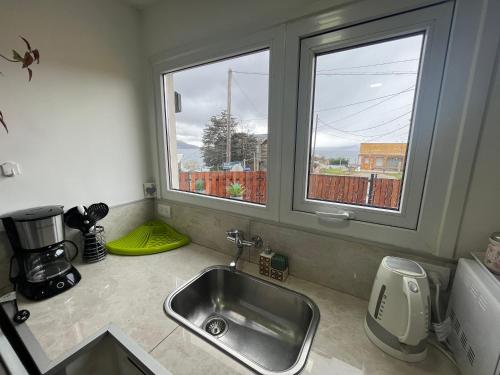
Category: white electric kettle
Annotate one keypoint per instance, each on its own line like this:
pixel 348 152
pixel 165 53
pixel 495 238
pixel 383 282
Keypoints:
pixel 398 314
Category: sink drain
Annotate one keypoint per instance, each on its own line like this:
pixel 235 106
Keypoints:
pixel 216 326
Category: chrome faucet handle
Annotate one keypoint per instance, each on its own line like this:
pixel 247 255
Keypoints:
pixel 234 235
pixel 234 232
pixel 257 242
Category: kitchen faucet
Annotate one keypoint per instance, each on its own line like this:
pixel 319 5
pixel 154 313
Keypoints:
pixel 236 236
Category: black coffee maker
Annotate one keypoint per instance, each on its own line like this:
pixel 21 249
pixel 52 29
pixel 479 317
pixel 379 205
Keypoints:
pixel 41 266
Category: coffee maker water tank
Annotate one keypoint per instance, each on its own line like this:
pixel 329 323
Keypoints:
pixel 39 227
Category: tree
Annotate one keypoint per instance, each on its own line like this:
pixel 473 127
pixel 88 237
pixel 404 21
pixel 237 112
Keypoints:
pixel 339 161
pixel 243 145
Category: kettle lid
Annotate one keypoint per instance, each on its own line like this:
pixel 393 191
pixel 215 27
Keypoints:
pixel 36 213
pixel 404 266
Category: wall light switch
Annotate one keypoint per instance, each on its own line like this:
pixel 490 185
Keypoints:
pixel 10 169
pixel 163 210
pixel 149 190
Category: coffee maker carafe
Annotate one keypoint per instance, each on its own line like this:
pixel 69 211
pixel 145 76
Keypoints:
pixel 41 266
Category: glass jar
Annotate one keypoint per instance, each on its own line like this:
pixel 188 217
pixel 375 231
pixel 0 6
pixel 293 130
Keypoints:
pixel 41 266
pixel 492 256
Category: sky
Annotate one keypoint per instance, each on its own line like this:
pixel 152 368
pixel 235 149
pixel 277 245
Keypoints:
pixel 343 79
pixel 204 94
pixel 381 76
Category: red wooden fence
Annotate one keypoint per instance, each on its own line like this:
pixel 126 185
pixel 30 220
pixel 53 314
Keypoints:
pixel 216 183
pixel 345 189
pixel 377 192
pixel 386 193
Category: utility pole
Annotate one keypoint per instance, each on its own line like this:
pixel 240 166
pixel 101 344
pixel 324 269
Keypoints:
pixel 228 136
pixel 314 143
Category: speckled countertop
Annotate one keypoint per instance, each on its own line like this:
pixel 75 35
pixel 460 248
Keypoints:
pixel 130 291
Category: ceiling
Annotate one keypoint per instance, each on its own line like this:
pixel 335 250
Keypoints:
pixel 139 4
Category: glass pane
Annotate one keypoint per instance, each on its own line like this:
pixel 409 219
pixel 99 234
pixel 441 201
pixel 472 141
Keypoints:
pixel 217 127
pixel 362 114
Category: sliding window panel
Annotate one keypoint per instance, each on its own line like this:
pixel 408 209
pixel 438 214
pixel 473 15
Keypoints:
pixel 218 117
pixel 367 103
pixel 217 127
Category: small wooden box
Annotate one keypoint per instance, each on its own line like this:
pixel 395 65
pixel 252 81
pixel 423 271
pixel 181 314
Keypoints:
pixel 279 275
pixel 265 264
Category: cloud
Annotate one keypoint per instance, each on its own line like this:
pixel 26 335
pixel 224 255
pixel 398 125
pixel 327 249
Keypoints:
pixel 204 93
pixel 341 81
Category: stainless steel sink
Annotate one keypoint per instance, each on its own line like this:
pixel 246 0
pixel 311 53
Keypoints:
pixel 264 326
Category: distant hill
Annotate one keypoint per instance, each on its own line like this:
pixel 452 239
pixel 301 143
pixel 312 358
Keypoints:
pixel 349 152
pixel 184 145
pixel 260 137
pixel 189 152
pixel 192 152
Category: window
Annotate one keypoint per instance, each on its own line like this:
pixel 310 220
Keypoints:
pixel 345 119
pixel 363 105
pixel 217 127
pixel 364 125
pixel 394 163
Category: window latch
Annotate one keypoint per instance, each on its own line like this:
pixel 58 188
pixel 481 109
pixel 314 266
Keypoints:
pixel 334 216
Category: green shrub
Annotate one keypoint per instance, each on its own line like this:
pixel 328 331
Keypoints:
pixel 236 190
pixel 199 185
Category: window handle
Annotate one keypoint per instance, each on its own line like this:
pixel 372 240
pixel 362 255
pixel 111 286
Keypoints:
pixel 334 216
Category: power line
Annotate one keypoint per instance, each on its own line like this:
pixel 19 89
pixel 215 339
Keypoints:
pixel 366 66
pixel 383 123
pixel 363 101
pixel 363 110
pixel 228 113
pixel 388 133
pixel 348 137
pixel 340 68
pixel 366 74
pixel 403 135
pixel 371 127
pixel 253 73
pixel 341 131
pixel 246 96
pixel 354 132
pixel 365 139
pixel 398 108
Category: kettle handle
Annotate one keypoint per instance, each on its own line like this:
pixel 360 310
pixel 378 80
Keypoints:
pixel 417 322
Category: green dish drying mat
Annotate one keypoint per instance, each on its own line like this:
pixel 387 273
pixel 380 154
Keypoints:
pixel 152 237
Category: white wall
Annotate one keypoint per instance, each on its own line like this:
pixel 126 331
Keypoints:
pixel 171 24
pixel 77 129
pixel 482 211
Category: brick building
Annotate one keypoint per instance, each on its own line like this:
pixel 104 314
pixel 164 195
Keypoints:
pixel 382 156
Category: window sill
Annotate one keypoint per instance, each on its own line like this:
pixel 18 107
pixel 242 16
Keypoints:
pixel 233 206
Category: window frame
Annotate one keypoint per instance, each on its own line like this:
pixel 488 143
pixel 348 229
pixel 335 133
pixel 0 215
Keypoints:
pixel 433 24
pixel 472 49
pixel 463 97
pixel 271 39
